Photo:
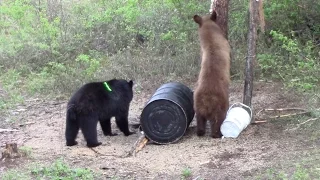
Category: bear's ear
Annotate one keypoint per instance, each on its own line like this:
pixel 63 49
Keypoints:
pixel 197 19
pixel 213 16
pixel 130 83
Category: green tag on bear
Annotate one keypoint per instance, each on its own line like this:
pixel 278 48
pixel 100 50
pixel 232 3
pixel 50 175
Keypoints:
pixel 107 86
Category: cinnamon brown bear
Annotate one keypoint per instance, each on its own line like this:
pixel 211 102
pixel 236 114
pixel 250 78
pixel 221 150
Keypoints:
pixel 211 96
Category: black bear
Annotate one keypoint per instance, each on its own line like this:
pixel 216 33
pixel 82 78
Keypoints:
pixel 98 102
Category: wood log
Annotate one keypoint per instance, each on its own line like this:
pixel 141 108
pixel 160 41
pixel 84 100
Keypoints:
pixel 10 151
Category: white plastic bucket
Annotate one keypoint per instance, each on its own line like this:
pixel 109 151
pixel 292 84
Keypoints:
pixel 237 119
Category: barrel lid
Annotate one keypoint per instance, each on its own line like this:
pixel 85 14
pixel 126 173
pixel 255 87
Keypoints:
pixel 163 121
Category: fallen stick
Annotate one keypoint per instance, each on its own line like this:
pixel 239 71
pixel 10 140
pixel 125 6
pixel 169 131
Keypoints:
pixel 281 109
pixel 138 145
pixel 298 125
pixel 312 119
pixel 32 100
pixel 141 145
pixel 21 110
pixel 281 116
pixel 259 122
pixel 97 152
pixel 288 115
pixel 27 123
pixel 259 112
pixel 100 154
pixel 285 109
pixel 264 121
pixel 8 130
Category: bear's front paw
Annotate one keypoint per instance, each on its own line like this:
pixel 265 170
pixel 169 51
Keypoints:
pixel 71 143
pixel 129 133
pixel 110 134
pixel 94 144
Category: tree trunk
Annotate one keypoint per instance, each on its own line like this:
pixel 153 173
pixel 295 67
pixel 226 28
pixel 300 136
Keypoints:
pixel 222 8
pixel 251 53
pixel 261 17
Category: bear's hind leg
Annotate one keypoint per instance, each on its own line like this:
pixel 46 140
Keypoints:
pixel 89 129
pixel 201 125
pixel 216 124
pixel 123 125
pixel 72 129
pixel 106 127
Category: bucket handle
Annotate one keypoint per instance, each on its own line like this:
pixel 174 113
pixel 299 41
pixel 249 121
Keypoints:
pixel 238 103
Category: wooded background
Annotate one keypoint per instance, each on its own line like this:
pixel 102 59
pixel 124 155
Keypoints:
pixel 52 47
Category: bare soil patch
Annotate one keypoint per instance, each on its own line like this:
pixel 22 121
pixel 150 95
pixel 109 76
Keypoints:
pixel 41 125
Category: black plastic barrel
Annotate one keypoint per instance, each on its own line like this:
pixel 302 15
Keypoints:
pixel 168 113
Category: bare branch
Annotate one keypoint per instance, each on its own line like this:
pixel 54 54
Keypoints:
pixel 8 130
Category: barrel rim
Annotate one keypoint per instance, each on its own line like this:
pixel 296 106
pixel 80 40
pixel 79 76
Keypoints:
pixel 185 114
pixel 184 130
pixel 186 90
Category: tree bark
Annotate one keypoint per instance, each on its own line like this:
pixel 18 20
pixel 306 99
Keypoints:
pixel 251 53
pixel 261 17
pixel 222 9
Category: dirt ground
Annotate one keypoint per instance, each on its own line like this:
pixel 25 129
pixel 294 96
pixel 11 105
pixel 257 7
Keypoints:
pixel 41 126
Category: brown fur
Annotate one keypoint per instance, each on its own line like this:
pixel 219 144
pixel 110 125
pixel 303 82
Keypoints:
pixel 211 96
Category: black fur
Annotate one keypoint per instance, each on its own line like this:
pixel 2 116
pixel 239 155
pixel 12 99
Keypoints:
pixel 93 103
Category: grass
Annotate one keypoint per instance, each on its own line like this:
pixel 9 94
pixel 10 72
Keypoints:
pixel 26 150
pixel 186 173
pixel 306 164
pixel 57 170
pixel 299 171
pixel 10 91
